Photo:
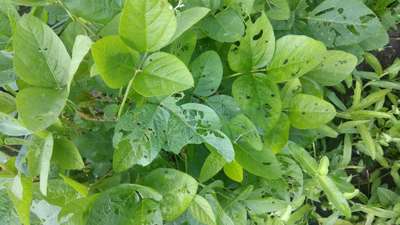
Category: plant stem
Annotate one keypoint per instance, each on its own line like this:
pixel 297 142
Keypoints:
pixel 128 88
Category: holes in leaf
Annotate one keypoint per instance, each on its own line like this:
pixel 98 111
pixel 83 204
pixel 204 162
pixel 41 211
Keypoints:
pixel 248 97
pixel 266 163
pixel 367 18
pixel 352 29
pixel 340 10
pixel 258 36
pixel 303 113
pixel 286 61
pixel 324 11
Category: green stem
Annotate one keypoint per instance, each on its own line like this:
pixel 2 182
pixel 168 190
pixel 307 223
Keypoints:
pixel 128 88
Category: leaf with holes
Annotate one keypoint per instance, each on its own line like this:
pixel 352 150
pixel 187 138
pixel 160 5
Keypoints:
pixel 255 49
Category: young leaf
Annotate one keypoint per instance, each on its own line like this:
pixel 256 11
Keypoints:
pixel 81 47
pixel 211 166
pixel 334 68
pixel 207 72
pixel 163 74
pixel 178 190
pixel 147 26
pixel 278 137
pixel 295 55
pixel 234 171
pixel 40 56
pixel 114 61
pixel 307 112
pixel 255 49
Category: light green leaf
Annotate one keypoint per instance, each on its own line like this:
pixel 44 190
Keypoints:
pixel 334 195
pixel 148 213
pixel 114 61
pixel 259 100
pixel 255 49
pixel 183 47
pixel 338 23
pixel 307 112
pixel 201 210
pixel 211 166
pixel 305 160
pixel 7 103
pixel 39 108
pixel 178 190
pixel 82 189
pixel 260 163
pixel 21 196
pixel 234 171
pixel 147 26
pixel 7 214
pixel 186 19
pixel 368 140
pixel 66 155
pixel 244 133
pixel 7 73
pixel 100 11
pixel 207 72
pixel 39 156
pixel 334 68
pixel 278 137
pixel 81 47
pixel 295 55
pixel 40 56
pixel 163 74
pixel 225 26
pixel 12 127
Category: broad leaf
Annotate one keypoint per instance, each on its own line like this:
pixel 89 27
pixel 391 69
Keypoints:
pixel 278 137
pixel 201 210
pixel 278 9
pixel 66 155
pixel 207 72
pixel 147 26
pixel 334 68
pixel 255 49
pixel 178 190
pixel 40 56
pixel 100 11
pixel 20 194
pixel 39 108
pixel 163 74
pixel 225 26
pixel 186 19
pixel 342 22
pixel 244 133
pixel 295 55
pixel 12 127
pixel 307 112
pixel 259 100
pixel 7 103
pixel 80 48
pixel 211 166
pixel 114 61
pixel 234 171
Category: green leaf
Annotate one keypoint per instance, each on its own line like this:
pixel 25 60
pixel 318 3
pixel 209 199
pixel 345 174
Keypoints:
pixel 39 156
pixel 163 74
pixel 148 213
pixel 255 49
pixel 80 48
pixel 100 11
pixel 278 137
pixel 305 160
pixel 66 155
pixel 338 23
pixel 244 133
pixel 334 68
pixel 295 55
pixel 82 189
pixel 307 112
pixel 207 73
pixel 260 163
pixel 7 73
pixel 186 19
pixel 183 47
pixel 178 190
pixel 225 26
pixel 368 140
pixel 39 108
pixel 7 214
pixel 147 26
pixel 40 56
pixel 12 127
pixel 334 195
pixel 278 9
pixel 20 194
pixel 7 103
pixel 234 171
pixel 201 210
pixel 259 100
pixel 211 166
pixel 122 204
pixel 114 61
